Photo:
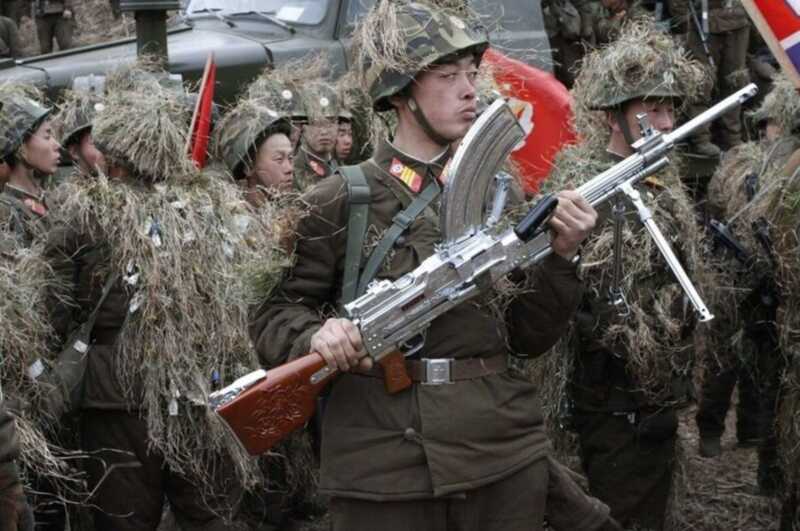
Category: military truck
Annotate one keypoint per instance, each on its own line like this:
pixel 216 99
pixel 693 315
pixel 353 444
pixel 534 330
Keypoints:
pixel 248 35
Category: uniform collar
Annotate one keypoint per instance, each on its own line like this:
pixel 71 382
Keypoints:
pixel 410 171
pixel 320 166
pixel 34 203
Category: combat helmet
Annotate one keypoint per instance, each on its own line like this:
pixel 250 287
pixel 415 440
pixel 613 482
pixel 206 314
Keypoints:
pixel 781 105
pixel 642 63
pixel 20 118
pixel 399 39
pixel 77 116
pixel 243 128
pixel 322 101
pixel 283 96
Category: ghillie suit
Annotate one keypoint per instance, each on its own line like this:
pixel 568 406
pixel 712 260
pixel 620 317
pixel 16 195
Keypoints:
pixel 185 251
pixel 746 294
pixel 291 469
pixel 627 363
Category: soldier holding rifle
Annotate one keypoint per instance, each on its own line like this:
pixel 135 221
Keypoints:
pixel 465 448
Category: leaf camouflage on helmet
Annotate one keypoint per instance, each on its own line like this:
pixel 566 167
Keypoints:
pixel 76 115
pixel 397 40
pixel 642 63
pixel 781 106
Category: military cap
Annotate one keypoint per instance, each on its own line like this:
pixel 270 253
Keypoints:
pixel 78 116
pixel 283 96
pixel 424 35
pixel 322 101
pixel 781 105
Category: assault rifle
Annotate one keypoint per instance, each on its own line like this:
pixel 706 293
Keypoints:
pixel 266 406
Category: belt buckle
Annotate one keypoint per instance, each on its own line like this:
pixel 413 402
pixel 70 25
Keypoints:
pixel 437 371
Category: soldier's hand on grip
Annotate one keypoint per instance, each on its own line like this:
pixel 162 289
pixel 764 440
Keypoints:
pixel 339 343
pixel 573 220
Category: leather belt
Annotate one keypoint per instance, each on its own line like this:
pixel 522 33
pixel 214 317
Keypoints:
pixel 439 371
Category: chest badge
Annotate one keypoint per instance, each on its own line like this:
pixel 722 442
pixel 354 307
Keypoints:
pixel 409 177
pixel 35 206
pixel 317 168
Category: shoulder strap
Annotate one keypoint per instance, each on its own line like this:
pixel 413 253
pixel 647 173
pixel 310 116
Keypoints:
pixel 358 201
pixel 401 221
pixel 88 325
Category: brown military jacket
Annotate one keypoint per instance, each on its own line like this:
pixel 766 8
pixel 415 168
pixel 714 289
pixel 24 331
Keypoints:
pixel 427 440
pixel 723 15
pixel 22 216
pixel 309 169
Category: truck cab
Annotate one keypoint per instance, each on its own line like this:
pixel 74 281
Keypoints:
pixel 247 36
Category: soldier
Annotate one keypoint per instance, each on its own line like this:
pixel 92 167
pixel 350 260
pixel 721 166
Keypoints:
pixel 76 119
pixel 254 144
pixel 13 9
pixel 344 137
pixel 138 422
pixel 9 39
pixel 414 459
pixel 567 36
pixel 727 37
pixel 630 354
pixel 314 160
pixel 751 361
pixel 54 20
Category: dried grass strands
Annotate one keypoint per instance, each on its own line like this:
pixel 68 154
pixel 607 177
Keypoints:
pixel 195 248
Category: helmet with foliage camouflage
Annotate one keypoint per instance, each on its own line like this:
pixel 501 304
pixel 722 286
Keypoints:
pixel 321 101
pixel 243 129
pixel 399 39
pixel 19 118
pixel 76 116
pixel 642 63
pixel 781 105
pixel 283 96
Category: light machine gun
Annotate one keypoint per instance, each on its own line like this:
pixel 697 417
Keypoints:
pixel 266 406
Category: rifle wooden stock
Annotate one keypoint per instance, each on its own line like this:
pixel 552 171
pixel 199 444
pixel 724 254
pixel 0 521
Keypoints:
pixel 285 400
pixel 281 403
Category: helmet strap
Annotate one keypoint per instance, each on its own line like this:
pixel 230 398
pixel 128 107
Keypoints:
pixel 622 122
pixel 425 124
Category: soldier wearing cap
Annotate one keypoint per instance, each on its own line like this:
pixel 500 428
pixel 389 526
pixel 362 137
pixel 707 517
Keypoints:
pixel 631 354
pixel 254 143
pixel 77 118
pixel 315 158
pixel 468 454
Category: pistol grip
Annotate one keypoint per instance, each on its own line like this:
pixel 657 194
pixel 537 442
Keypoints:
pixel 395 375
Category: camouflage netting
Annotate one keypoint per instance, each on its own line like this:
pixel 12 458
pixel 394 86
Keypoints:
pixel 146 129
pixel 653 335
pixel 642 62
pixel 194 256
pixel 75 113
pixel 781 106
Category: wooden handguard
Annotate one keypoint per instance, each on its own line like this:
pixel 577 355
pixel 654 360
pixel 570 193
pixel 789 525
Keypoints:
pixel 395 375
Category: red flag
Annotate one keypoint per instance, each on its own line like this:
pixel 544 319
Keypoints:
pixel 536 97
pixel 201 120
pixel 778 21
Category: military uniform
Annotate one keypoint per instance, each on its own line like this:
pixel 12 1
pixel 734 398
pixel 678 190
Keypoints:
pixel 309 169
pixel 411 446
pixel 9 39
pixel 728 40
pixel 13 9
pixel 15 515
pixel 51 23
pixel 562 20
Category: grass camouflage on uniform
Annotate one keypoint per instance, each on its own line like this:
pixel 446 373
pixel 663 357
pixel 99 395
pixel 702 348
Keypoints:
pixel 196 250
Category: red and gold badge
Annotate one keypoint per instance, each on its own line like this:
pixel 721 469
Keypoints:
pixel 409 177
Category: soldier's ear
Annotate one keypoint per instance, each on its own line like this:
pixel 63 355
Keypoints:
pixel 611 122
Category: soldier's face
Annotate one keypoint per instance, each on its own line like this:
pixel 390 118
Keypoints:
pixel 89 158
pixel 274 164
pixel 344 140
pixel 660 113
pixel 447 96
pixel 321 137
pixel 41 150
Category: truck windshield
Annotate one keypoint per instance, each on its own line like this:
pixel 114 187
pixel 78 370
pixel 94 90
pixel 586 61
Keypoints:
pixel 303 12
